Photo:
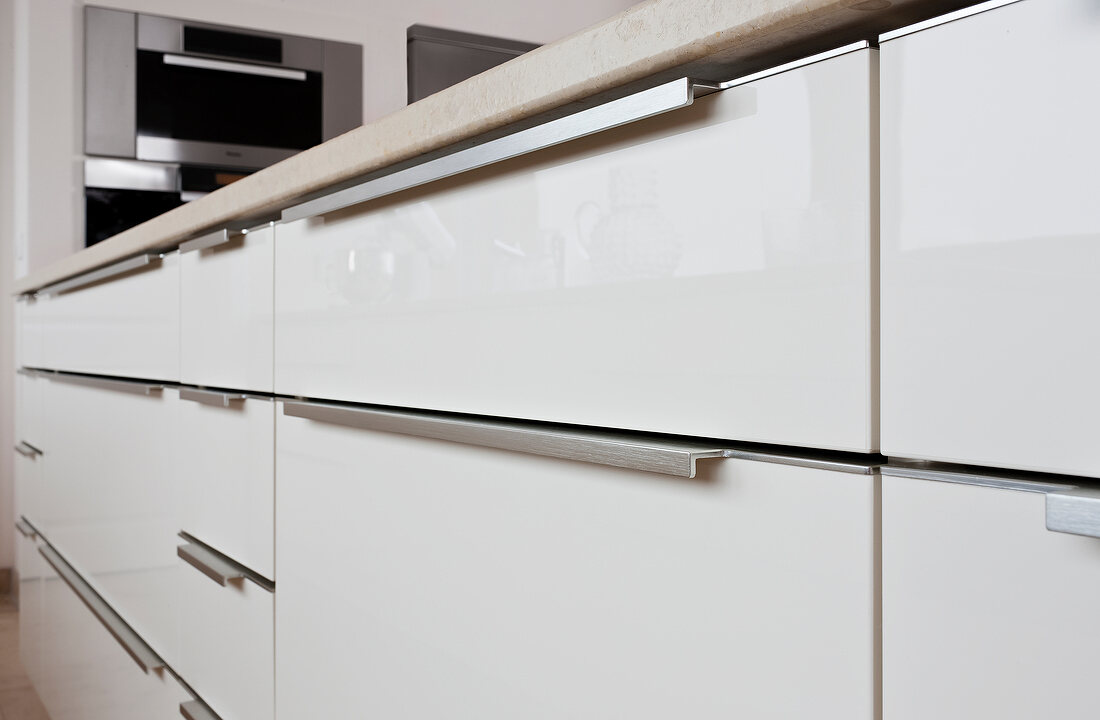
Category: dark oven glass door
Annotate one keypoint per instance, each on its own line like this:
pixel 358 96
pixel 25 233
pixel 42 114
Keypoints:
pixel 109 211
pixel 185 97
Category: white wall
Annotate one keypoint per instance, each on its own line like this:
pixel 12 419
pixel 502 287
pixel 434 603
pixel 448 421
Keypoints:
pixel 7 275
pixel 40 112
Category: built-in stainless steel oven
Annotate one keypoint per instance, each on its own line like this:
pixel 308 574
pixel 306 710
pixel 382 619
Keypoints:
pixel 201 105
pixel 171 90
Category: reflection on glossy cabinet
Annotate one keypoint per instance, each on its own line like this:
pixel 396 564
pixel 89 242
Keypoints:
pixel 109 499
pixel 29 569
pixel 128 325
pixel 226 493
pixel 87 674
pixel 986 614
pixel 420 578
pixel 706 272
pixel 991 239
pixel 225 312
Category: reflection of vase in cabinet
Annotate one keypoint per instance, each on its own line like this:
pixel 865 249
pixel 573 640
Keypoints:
pixel 633 239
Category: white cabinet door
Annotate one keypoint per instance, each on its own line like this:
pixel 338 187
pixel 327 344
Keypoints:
pixel 986 614
pixel 87 674
pixel 991 239
pixel 707 272
pixel 226 303
pixel 226 493
pixel 421 579
pixel 126 325
pixel 108 505
pixel 29 567
pixel 227 644
pixel 28 337
pixel 31 442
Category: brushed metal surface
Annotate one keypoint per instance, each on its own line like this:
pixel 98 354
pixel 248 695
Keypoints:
pixel 218 237
pixel 992 479
pixel 944 19
pixel 137 387
pixel 248 157
pixel 211 397
pixel 218 567
pixel 636 452
pixel 209 564
pixel 130 641
pixel 1074 511
pixel 654 101
pixel 25 449
pixel 203 63
pixel 135 263
pixel 25 529
pixel 131 175
pixel 110 82
pixel 197 710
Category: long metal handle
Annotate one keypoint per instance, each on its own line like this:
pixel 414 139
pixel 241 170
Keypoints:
pixel 25 529
pixel 218 237
pixel 27 450
pixel 211 397
pixel 134 263
pixel 130 641
pixel 1075 511
pixel 130 386
pixel 647 103
pixel 235 67
pixel 626 450
pixel 210 564
pixel 196 710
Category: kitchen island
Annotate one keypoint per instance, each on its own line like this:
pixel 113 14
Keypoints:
pixel 612 382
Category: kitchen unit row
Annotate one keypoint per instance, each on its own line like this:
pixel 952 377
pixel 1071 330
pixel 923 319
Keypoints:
pixel 598 430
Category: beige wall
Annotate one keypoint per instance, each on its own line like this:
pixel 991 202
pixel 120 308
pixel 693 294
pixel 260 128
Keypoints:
pixel 41 100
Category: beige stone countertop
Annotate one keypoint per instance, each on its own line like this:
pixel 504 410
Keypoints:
pixel 652 42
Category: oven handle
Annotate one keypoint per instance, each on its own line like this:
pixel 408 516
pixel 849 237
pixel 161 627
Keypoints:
pixel 234 67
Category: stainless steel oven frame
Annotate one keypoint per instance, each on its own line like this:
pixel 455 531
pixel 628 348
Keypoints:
pixel 112 40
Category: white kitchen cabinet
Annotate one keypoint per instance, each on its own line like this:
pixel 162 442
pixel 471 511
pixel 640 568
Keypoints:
pixel 990 250
pixel 986 613
pixel 226 493
pixel 29 572
pixel 127 324
pixel 28 335
pixel 227 644
pixel 420 578
pixel 108 506
pixel 31 429
pixel 226 303
pixel 706 272
pixel 87 673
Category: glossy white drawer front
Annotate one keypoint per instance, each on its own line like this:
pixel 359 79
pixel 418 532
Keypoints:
pixel 88 675
pixel 31 439
pixel 227 644
pixel 227 476
pixel 108 505
pixel 28 339
pixel 424 579
pixel 128 325
pixel 29 566
pixel 991 239
pixel 226 300
pixel 986 614
pixel 706 272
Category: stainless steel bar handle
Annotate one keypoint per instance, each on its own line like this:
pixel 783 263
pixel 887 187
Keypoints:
pixel 25 529
pixel 27 450
pixel 131 386
pixel 218 237
pixel 647 103
pixel 130 641
pixel 134 263
pixel 211 397
pixel 1075 511
pixel 210 564
pixel 602 447
pixel 196 710
pixel 235 67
